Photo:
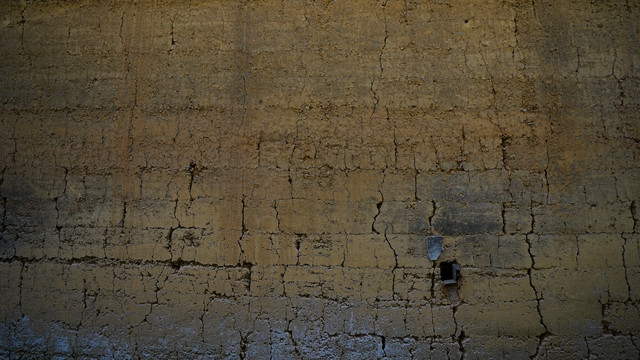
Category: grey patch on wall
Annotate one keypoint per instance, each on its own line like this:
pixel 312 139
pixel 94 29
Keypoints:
pixel 434 247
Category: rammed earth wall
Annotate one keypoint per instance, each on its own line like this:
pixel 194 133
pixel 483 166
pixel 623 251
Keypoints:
pixel 227 179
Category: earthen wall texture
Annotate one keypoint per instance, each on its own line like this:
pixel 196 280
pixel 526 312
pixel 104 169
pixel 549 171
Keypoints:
pixel 228 180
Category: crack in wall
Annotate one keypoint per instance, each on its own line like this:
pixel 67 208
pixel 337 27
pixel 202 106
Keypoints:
pixel 395 140
pixel 626 270
pixel 22 23
pixel 20 289
pixel 504 220
pixel 515 35
pixel 121 224
pixel 84 304
pixel 395 266
pixel 173 40
pixel 433 213
pixel 460 161
pixel 546 169
pixel 606 326
pixel 541 337
pixel 491 81
pixel 379 205
pixel 458 337
pixel 204 312
pixel 120 29
pixel 157 287
pixel 192 173
pixel 243 257
pixel 586 343
pixel 634 215
pixel 376 97
pixel 293 339
pixel 633 342
pixel 538 296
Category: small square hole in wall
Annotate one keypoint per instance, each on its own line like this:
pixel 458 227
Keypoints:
pixel 449 272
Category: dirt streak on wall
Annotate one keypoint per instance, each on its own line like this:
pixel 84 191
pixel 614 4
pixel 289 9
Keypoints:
pixel 183 179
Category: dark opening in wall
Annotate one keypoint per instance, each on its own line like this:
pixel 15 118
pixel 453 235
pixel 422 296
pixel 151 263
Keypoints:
pixel 449 272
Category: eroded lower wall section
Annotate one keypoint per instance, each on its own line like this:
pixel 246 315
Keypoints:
pixel 257 179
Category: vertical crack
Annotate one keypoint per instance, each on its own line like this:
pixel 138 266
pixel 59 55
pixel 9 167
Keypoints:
pixel 538 296
pixel 244 99
pixel 603 313
pixel 243 345
pixel 415 179
pixel 249 267
pixel 121 27
pixel 275 208
pixel 433 288
pixel 504 220
pixel 634 212
pixel 274 247
pixel 204 312
pixel 169 244
pixel 626 272
pixel 58 227
pixel 460 160
pixel 376 98
pixel 384 43
pixel 124 216
pixel 158 287
pixel 533 6
pixel 22 22
pixel 634 343
pixel 375 218
pixel 289 179
pixel 244 65
pixel 379 205
pixel 173 40
pixel 293 340
pixel 433 322
pixel 192 173
pixel 175 213
pixel 515 34
pixel 20 288
pixel 458 337
pixel 588 348
pixel 433 213
pixel 64 193
pixel 284 288
pixel 546 169
pixel 244 232
pixel 84 303
pixel 577 251
pixel 68 38
pixel 491 80
pixel 395 266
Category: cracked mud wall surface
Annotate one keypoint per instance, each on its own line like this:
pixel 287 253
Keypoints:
pixel 257 179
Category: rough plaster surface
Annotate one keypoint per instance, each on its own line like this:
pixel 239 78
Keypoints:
pixel 229 180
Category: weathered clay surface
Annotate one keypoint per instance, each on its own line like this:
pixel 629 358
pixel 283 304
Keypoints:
pixel 229 179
